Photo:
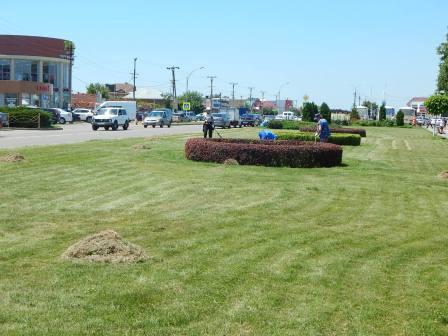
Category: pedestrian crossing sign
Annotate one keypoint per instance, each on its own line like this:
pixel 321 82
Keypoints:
pixel 186 106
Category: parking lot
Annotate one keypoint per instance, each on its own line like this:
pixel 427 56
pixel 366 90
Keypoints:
pixel 80 132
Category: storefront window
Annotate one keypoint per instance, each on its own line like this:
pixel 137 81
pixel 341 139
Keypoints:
pixel 66 75
pixel 26 70
pixel 5 69
pixel 11 99
pixel 26 99
pixel 50 73
pixel 35 100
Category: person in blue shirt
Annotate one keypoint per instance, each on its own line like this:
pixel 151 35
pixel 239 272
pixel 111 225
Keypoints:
pixel 323 129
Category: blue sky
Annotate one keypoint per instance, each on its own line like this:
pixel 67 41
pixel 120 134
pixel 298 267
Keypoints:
pixel 323 48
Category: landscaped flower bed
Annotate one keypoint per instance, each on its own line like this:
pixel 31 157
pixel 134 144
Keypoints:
pixel 338 139
pixel 295 154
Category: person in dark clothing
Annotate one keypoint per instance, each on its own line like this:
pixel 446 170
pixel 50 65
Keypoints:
pixel 208 126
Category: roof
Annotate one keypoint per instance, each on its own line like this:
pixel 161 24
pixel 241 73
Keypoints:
pixel 417 99
pixel 145 93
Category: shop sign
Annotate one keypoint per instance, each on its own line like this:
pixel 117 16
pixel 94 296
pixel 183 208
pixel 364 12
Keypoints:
pixel 45 88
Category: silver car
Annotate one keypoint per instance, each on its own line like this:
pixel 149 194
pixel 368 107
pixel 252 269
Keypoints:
pixel 221 120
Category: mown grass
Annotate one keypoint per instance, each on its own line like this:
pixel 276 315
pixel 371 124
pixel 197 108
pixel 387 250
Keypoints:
pixel 355 250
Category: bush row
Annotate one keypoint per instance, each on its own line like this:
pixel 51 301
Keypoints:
pixel 338 139
pixel 288 124
pixel 26 118
pixel 377 123
pixel 359 131
pixel 295 154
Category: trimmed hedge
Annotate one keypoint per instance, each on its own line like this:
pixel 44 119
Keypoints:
pixel 26 118
pixel 359 131
pixel 295 154
pixel 288 124
pixel 338 139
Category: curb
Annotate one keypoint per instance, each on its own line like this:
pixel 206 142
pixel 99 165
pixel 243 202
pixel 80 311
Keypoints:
pixel 30 129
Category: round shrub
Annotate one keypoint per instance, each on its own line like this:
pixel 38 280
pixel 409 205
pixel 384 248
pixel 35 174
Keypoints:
pixel 295 154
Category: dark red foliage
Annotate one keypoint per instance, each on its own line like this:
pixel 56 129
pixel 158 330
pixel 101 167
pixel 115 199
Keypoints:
pixel 360 131
pixel 295 154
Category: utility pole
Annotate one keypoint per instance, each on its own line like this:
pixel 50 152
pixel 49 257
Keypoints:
pixel 173 69
pixel 359 99
pixel 354 100
pixel 233 92
pixel 134 76
pixel 262 101
pixel 211 86
pixel 71 54
pixel 250 97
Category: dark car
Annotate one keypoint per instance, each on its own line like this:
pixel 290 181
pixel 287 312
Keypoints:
pixel 54 115
pixel 250 120
pixel 141 115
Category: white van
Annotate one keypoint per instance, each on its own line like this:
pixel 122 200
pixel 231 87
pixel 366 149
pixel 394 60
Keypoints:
pixel 129 106
pixel 288 116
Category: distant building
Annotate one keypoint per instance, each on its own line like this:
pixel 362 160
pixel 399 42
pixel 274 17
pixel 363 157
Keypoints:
pixel 147 97
pixel 35 71
pixel 418 104
pixel 84 100
pixel 119 90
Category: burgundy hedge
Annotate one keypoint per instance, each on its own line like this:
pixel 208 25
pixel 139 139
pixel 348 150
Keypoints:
pixel 295 154
pixel 360 131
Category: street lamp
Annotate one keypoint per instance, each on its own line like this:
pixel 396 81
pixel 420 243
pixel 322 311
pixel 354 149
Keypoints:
pixel 189 75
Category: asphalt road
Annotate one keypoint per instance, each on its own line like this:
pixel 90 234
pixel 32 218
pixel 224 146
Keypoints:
pixel 80 132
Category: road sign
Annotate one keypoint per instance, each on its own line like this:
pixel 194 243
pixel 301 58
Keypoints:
pixel 186 106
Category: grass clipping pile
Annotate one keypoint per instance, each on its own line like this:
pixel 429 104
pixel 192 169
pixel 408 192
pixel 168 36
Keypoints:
pixel 12 158
pixel 105 247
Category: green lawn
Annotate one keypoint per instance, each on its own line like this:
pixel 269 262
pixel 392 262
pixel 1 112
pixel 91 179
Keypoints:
pixel 360 249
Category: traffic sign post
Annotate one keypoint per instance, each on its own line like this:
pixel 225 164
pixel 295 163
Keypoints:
pixel 186 106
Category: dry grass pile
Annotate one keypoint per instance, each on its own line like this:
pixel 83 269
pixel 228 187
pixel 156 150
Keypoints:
pixel 444 175
pixel 231 162
pixel 12 158
pixel 141 147
pixel 107 247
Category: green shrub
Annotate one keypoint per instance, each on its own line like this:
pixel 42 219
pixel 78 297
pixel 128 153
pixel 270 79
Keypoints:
pixel 337 139
pixel 275 124
pixel 26 118
pixel 400 118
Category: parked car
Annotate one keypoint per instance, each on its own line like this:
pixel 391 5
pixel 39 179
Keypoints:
pixel 200 117
pixel 268 117
pixel 250 120
pixel 180 117
pixel 110 117
pixel 158 118
pixel 278 117
pixel 221 120
pixel 4 121
pixel 191 116
pixel 60 115
pixel 82 114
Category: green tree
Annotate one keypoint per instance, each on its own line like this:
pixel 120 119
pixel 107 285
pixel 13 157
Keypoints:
pixel 94 88
pixel 400 118
pixel 442 80
pixel 437 105
pixel 167 100
pixel 383 111
pixel 325 111
pixel 309 111
pixel 195 99
pixel 268 111
pixel 354 115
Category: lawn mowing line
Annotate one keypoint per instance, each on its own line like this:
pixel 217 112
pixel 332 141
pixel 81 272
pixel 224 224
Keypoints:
pixel 408 146
pixel 394 145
